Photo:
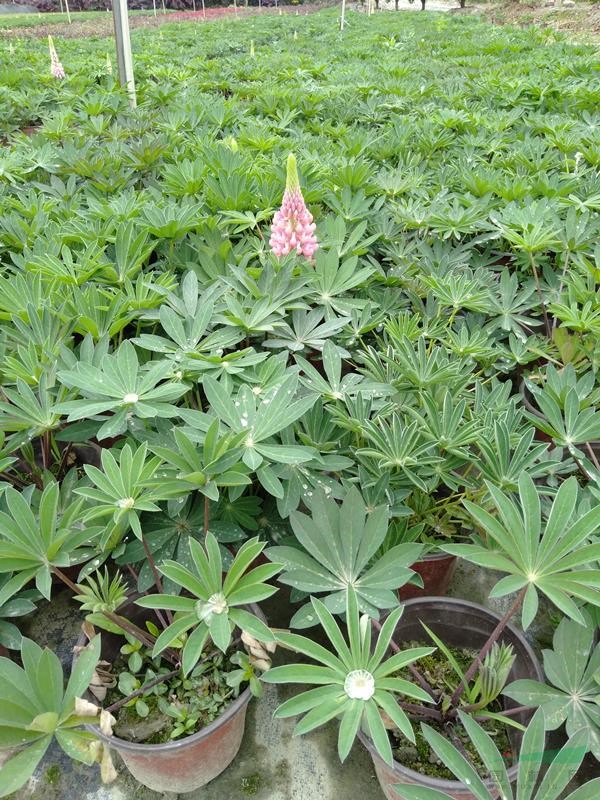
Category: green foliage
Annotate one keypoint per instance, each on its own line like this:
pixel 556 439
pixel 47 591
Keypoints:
pixel 554 557
pixel 121 386
pixel 32 542
pixel 143 317
pixel 14 602
pixel 571 696
pixel 530 759
pixel 213 604
pixel 355 682
pixel 339 544
pixel 37 708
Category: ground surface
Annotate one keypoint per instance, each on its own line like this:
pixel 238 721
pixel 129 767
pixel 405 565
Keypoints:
pixel 581 23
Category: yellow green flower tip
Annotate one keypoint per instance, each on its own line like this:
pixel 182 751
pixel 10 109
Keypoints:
pixel 292 181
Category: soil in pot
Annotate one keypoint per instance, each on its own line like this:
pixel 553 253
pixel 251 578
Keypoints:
pixel 440 676
pixel 173 709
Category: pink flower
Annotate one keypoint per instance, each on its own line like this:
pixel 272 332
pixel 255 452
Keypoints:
pixel 56 68
pixel 293 227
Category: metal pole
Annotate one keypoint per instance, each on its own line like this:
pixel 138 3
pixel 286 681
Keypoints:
pixel 343 15
pixel 124 57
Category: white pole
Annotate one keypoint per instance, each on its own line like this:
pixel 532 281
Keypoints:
pixel 343 16
pixel 68 12
pixel 124 57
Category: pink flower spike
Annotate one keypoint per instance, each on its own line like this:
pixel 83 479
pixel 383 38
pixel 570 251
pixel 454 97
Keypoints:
pixel 293 227
pixel 56 68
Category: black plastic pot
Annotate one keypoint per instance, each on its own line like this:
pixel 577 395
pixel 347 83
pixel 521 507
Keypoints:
pixel 186 764
pixel 458 623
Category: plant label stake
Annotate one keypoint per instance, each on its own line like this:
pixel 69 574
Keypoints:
pixel 124 57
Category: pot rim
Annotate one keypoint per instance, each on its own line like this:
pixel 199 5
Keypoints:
pixel 178 744
pixel 436 555
pixel 430 781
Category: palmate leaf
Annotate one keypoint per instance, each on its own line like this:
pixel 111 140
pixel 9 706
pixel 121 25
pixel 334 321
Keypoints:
pixel 353 683
pixel 556 778
pixel 571 694
pixel 335 386
pixel 35 707
pixel 213 605
pixel 120 386
pixel 556 558
pixel 33 541
pixel 125 487
pixel 216 465
pixel 261 417
pixel 569 425
pixel 339 543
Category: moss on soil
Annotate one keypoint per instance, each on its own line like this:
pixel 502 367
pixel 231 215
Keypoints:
pixel 207 694
pixel 52 775
pixel 251 784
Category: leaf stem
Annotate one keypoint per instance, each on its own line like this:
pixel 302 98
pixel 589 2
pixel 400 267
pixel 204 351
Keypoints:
pixel 161 679
pixel 493 638
pixel 414 671
pixel 540 296
pixel 206 514
pixel 158 584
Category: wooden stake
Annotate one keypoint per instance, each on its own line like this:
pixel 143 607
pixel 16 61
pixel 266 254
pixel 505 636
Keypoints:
pixel 124 57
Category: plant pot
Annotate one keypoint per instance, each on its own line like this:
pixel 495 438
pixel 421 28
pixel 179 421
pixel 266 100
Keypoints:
pixel 458 623
pixel 186 764
pixel 437 570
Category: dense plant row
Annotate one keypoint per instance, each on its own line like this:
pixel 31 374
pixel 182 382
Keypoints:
pixel 171 387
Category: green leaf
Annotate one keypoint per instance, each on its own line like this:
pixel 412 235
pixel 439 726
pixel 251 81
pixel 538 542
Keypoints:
pixel 530 756
pixel 252 624
pixel 306 700
pixel 353 713
pixel 377 732
pixel 82 673
pixel 455 761
pixel 220 630
pixel 17 770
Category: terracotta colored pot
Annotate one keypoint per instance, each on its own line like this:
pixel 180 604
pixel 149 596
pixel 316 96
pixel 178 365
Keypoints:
pixel 436 570
pixel 458 623
pixel 186 764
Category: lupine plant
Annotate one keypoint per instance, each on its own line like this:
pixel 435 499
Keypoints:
pixel 314 300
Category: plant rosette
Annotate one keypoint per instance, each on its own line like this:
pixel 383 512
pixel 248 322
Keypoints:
pixel 192 751
pixel 465 625
pixel 179 682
